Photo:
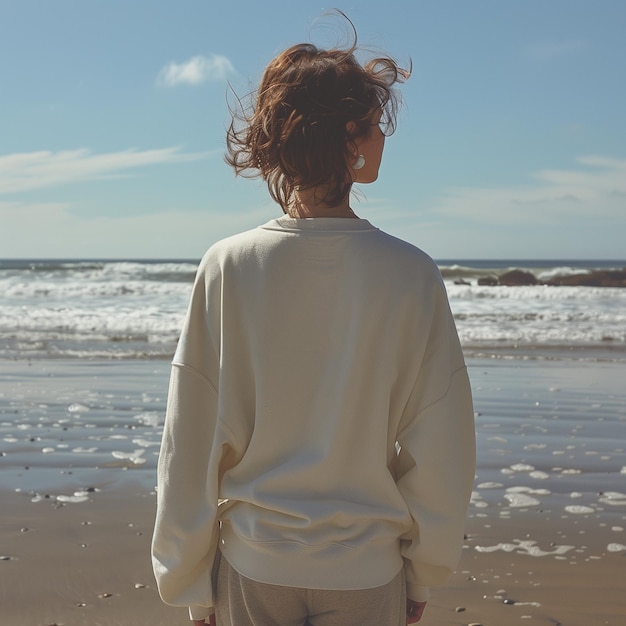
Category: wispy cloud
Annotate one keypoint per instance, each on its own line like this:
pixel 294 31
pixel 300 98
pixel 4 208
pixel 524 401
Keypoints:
pixel 576 212
pixel 549 50
pixel 33 170
pixel 593 191
pixel 40 229
pixel 199 69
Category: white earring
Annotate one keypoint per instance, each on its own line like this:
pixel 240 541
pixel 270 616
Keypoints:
pixel 359 163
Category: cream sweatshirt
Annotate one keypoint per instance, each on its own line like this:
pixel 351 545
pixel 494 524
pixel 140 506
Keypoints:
pixel 319 428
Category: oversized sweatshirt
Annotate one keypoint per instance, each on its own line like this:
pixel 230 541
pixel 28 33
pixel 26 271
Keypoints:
pixel 319 427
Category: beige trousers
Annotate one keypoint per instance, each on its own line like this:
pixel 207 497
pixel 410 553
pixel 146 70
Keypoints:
pixel 243 602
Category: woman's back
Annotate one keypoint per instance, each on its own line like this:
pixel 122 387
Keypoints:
pixel 325 327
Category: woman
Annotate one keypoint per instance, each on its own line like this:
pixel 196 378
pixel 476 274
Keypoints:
pixel 318 392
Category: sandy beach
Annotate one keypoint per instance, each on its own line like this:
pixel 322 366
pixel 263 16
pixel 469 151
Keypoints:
pixel 546 534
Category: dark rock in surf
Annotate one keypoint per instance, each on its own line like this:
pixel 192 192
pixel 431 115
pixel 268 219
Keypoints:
pixel 488 281
pixel 596 278
pixel 516 278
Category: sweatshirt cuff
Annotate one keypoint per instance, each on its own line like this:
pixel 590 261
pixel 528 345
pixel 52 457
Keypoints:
pixel 200 612
pixel 418 594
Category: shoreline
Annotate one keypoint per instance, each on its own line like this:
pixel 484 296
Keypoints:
pixel 129 351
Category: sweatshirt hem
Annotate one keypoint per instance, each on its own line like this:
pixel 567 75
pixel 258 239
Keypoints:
pixel 329 566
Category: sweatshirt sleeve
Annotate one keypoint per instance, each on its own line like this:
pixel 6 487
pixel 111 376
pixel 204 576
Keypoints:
pixel 195 447
pixel 436 458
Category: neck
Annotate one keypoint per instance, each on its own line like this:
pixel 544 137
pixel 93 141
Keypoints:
pixel 306 205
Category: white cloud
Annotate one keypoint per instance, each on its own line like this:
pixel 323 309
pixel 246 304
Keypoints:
pixel 197 70
pixel 33 170
pixel 548 50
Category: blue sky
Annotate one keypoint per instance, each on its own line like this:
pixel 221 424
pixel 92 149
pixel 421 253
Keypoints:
pixel 511 142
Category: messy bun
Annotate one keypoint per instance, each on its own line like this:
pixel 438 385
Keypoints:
pixel 295 134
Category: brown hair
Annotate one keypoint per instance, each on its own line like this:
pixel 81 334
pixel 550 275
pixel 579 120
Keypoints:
pixel 295 135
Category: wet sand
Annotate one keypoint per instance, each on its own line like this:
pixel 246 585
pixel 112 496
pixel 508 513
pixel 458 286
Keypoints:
pixel 546 534
pixel 80 564
pixel 88 563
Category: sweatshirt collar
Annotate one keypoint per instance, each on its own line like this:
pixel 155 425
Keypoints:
pixel 318 224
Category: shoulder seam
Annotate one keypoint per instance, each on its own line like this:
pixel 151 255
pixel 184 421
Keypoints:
pixel 204 379
pixel 197 373
pixel 453 373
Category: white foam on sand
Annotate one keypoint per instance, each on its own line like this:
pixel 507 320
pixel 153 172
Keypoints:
pixel 518 500
pixel 77 497
pixel 74 499
pixel 616 547
pixel 518 467
pixel 613 498
pixel 76 407
pixel 579 509
pixel 145 443
pixel 135 457
pixel 520 496
pixel 149 418
pixel 537 492
pixel 525 547
pixel 538 475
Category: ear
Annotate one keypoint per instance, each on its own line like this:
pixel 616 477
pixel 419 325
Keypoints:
pixel 351 127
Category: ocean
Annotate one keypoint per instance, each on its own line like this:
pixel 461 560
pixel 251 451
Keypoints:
pixel 133 309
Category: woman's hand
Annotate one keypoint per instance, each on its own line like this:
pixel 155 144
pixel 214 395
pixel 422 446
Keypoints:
pixel 201 622
pixel 414 611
